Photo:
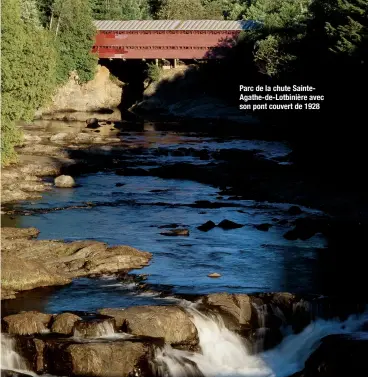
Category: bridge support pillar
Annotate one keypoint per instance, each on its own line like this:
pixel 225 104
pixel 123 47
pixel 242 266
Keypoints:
pixel 156 62
pixel 175 63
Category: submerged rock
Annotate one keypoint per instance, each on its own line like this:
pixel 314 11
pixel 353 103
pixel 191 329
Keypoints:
pixel 168 322
pixel 176 232
pixel 263 227
pixel 64 181
pixel 27 323
pixel 228 224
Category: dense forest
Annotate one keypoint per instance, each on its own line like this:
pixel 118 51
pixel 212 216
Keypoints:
pixel 316 42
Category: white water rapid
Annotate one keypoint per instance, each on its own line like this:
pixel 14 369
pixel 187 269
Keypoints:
pixel 10 359
pixel 225 354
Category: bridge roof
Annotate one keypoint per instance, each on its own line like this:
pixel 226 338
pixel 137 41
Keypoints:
pixel 175 25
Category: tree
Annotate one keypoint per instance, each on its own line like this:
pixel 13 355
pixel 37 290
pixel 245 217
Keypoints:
pixel 183 10
pixel 106 9
pixel 74 35
pixel 28 72
pixel 135 10
pixel 30 13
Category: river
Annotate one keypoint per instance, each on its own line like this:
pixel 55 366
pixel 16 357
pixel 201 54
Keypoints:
pixel 131 204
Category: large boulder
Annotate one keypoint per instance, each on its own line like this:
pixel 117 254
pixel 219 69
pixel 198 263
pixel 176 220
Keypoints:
pixel 27 323
pixel 236 309
pixel 112 359
pixel 64 323
pixel 65 181
pixel 338 356
pixel 168 322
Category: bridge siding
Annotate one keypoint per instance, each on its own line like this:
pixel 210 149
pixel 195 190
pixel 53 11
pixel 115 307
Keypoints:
pixel 173 44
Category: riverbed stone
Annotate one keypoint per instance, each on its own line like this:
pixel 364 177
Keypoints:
pixel 64 181
pixel 64 323
pixel 236 309
pixel 102 359
pixel 176 232
pixel 171 323
pixel 27 323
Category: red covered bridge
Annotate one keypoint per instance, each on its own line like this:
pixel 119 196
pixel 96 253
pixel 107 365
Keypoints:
pixel 166 39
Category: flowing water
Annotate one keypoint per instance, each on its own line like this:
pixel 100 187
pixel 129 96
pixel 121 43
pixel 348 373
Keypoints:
pixel 225 354
pixel 134 210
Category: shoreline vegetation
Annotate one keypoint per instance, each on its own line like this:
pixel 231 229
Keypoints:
pixel 303 43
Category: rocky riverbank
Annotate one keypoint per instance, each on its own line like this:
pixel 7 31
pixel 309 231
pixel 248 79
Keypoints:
pixel 28 263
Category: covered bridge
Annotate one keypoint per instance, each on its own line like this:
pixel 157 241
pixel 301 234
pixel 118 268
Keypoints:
pixel 166 39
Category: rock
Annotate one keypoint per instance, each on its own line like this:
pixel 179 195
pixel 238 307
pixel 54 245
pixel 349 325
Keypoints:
pixel 214 275
pixel 32 138
pixel 169 322
pixel 94 328
pixel 61 137
pixel 102 359
pixel 19 274
pixel 206 226
pixel 291 235
pixel 176 232
pixel 27 323
pixel 99 93
pixel 64 323
pixel 227 224
pixel 27 264
pixel 13 233
pixel 282 222
pixel 338 356
pixel 64 181
pixel 295 210
pixel 120 184
pixel 236 310
pixel 263 227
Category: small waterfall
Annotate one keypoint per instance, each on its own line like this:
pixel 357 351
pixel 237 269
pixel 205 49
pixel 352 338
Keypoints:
pixel 225 354
pixel 10 359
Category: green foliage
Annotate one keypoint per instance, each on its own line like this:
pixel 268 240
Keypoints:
pixel 74 35
pixel 153 72
pixel 224 9
pixel 106 9
pixel 28 72
pixel 29 12
pixel 120 9
pixel 135 10
pixel 183 10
